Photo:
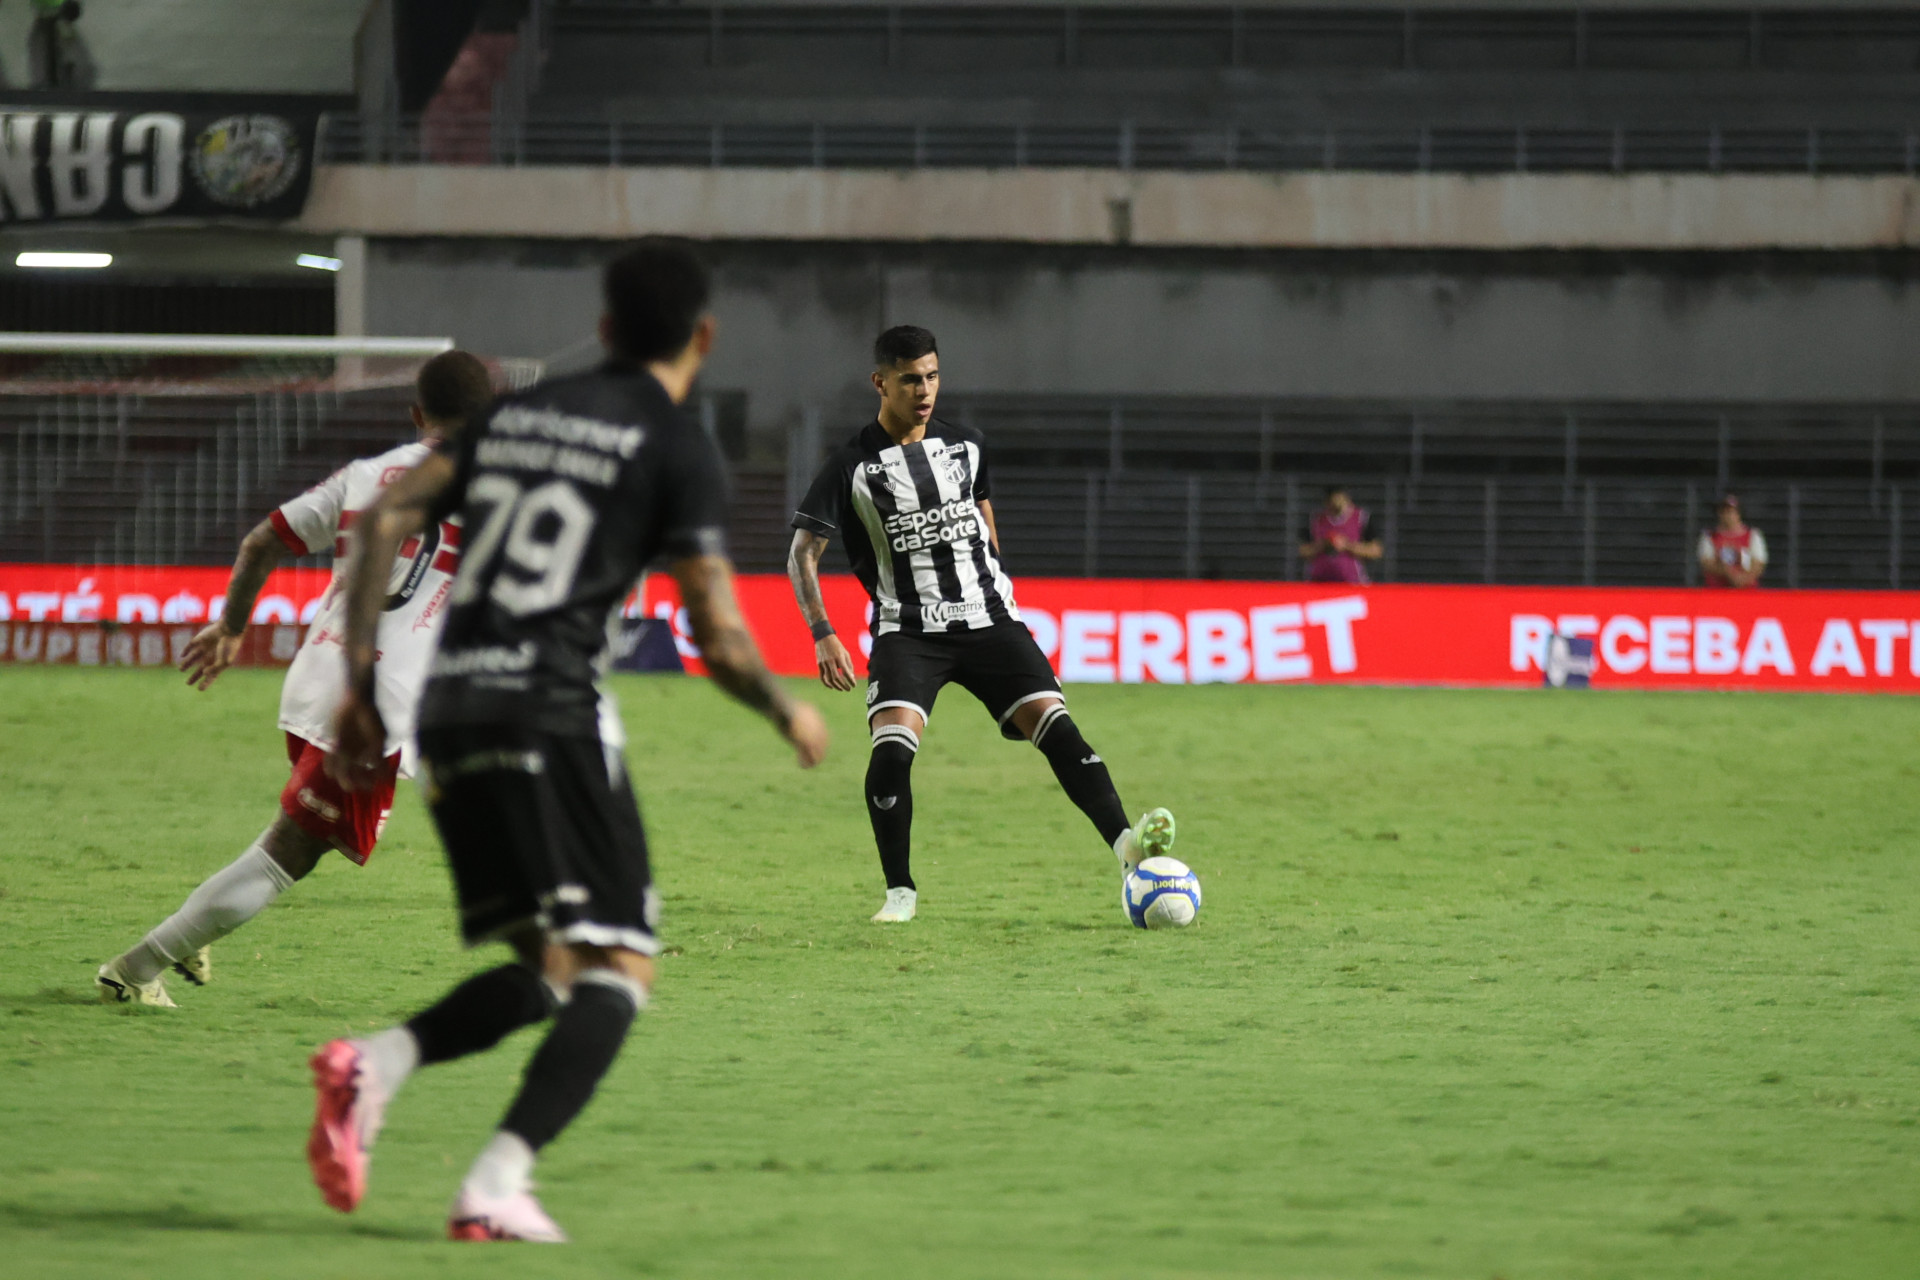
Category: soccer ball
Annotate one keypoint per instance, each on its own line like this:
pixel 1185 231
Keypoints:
pixel 1161 893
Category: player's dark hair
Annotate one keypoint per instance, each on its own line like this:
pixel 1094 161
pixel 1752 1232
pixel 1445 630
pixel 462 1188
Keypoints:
pixel 453 387
pixel 656 293
pixel 1336 488
pixel 903 344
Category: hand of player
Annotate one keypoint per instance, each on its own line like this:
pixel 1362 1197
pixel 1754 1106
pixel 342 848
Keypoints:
pixel 209 653
pixel 806 729
pixel 360 743
pixel 836 664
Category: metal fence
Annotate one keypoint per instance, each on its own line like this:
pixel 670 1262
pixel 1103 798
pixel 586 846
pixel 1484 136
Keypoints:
pixel 1509 492
pixel 1203 492
pixel 1488 530
pixel 507 139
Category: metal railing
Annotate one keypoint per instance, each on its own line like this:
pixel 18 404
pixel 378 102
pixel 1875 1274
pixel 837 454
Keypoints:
pixel 508 139
pixel 1507 491
pixel 1572 36
pixel 1626 532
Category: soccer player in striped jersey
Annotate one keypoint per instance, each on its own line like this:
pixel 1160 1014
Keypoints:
pixel 315 814
pixel 910 497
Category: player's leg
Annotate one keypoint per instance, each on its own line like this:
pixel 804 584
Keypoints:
pixel 889 791
pixel 904 676
pixel 223 902
pixel 356 1079
pixel 488 807
pixel 1011 676
pixel 605 990
pixel 599 912
pixel 315 816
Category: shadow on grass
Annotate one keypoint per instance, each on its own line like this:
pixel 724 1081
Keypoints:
pixel 180 1217
pixel 51 995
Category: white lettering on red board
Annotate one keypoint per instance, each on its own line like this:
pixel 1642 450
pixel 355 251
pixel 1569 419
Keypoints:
pixel 1204 646
pixel 1710 646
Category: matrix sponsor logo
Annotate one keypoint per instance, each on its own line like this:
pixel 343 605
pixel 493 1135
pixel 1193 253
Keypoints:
pixel 952 610
pixel 950 522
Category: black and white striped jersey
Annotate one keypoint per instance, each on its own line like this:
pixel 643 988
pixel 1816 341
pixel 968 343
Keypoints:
pixel 909 516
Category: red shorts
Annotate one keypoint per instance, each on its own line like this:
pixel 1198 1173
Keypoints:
pixel 350 821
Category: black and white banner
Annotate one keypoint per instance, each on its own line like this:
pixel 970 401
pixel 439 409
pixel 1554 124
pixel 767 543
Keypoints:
pixel 122 162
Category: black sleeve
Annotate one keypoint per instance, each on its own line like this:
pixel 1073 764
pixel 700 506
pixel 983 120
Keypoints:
pixel 824 509
pixel 461 450
pixel 694 497
pixel 982 480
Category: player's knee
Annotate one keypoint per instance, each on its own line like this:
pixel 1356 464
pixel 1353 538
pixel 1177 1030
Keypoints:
pixel 894 744
pixel 1056 732
pixel 617 979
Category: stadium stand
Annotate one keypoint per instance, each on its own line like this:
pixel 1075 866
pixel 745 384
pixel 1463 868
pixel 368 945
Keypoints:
pixel 1565 88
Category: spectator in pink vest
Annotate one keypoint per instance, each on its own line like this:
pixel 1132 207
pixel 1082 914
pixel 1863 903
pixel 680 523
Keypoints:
pixel 1733 553
pixel 1337 539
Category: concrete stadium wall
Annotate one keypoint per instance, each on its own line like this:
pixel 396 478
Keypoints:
pixel 797 319
pixel 268 46
pixel 1104 206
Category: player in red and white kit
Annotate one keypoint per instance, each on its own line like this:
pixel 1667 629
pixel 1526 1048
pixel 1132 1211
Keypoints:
pixel 316 814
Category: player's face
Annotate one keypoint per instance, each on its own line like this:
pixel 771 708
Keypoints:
pixel 908 389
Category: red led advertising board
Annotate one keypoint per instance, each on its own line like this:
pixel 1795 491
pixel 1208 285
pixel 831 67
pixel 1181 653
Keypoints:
pixel 1181 631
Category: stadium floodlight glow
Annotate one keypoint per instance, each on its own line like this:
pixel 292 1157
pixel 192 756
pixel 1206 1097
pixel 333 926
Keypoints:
pixel 319 262
pixel 66 261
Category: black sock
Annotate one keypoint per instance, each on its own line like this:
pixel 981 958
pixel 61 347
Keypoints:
pixel 566 1068
pixel 890 800
pixel 480 1013
pixel 1083 774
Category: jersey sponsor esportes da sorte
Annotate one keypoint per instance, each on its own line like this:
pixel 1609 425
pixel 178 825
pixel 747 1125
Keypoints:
pixel 417 590
pixel 909 517
pixel 567 492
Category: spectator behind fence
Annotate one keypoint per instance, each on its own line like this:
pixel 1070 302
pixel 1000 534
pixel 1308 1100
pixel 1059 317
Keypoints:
pixel 1337 539
pixel 1732 553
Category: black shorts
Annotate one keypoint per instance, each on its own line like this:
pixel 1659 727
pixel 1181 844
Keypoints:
pixel 540 829
pixel 1000 665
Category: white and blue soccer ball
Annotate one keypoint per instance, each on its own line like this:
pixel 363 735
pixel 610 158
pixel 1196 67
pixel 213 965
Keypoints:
pixel 1161 893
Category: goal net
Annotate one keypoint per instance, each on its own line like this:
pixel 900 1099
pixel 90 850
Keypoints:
pixel 129 460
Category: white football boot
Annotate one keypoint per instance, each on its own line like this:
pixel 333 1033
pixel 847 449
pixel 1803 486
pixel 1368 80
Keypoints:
pixel 898 908
pixel 116 987
pixel 1151 837
pixel 478 1216
pixel 196 968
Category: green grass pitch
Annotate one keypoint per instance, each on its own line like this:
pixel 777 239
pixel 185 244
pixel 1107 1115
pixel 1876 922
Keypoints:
pixel 1487 984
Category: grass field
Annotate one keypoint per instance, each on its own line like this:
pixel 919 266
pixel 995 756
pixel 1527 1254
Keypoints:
pixel 1487 984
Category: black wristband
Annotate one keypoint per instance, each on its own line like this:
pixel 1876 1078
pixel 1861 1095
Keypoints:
pixel 822 629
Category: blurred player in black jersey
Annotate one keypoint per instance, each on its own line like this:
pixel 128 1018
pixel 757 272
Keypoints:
pixel 567 492
pixel 911 498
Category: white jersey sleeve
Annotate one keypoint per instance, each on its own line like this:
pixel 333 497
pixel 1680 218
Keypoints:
pixel 308 524
pixel 1757 550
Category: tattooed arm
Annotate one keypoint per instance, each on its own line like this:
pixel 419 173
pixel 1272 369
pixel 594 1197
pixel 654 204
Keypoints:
pixel 216 645
pixel 803 570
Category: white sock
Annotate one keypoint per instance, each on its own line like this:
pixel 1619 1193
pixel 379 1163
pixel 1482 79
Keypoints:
pixel 226 900
pixel 504 1167
pixel 390 1056
pixel 1122 845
